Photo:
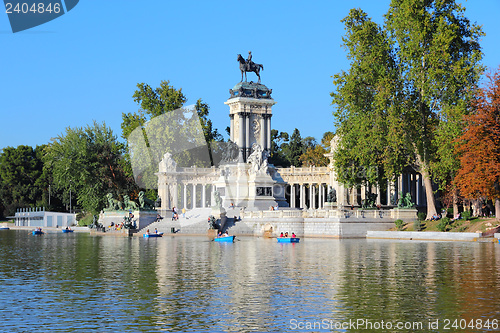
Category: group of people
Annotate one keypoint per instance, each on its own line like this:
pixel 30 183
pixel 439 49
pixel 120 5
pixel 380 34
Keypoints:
pixel 148 233
pixel 286 235
pixel 220 234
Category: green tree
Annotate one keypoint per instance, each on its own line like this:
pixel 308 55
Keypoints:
pixel 293 149
pixel 277 156
pixel 88 162
pixel 161 125
pixel 22 182
pixel 315 155
pixel 431 57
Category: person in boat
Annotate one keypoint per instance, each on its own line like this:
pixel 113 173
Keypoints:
pixel 293 235
pixel 67 228
pixel 147 232
pixel 286 234
pixel 225 234
pixel 156 230
pixel 281 235
pixel 219 234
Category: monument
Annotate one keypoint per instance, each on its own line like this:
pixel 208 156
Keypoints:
pixel 250 181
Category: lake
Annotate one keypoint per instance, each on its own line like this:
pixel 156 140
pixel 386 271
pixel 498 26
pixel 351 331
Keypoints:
pixel 79 283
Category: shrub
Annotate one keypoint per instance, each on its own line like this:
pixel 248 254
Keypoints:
pixel 421 216
pixel 444 224
pixel 417 225
pixel 399 224
pixel 467 215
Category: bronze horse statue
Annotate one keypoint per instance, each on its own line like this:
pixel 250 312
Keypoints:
pixel 249 67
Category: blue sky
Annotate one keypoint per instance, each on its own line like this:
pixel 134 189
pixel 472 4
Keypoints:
pixel 85 65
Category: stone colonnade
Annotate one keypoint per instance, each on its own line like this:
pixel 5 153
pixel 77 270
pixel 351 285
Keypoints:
pixel 187 188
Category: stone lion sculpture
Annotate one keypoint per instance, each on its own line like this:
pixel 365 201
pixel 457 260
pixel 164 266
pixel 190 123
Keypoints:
pixel 113 204
pixel 144 202
pixel 129 204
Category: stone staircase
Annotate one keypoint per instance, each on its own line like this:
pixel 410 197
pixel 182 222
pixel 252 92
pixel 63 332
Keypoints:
pixel 195 223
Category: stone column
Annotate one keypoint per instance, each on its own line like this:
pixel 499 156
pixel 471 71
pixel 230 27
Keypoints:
pixel 175 195
pixel 194 196
pixel 313 196
pixel 311 201
pixel 292 196
pixel 241 139
pixel 320 196
pixel 268 128
pixel 203 195
pixel 301 196
pixel 247 136
pixel 231 133
pixel 185 197
pixel 263 131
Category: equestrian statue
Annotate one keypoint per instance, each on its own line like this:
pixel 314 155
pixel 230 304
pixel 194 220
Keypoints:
pixel 249 66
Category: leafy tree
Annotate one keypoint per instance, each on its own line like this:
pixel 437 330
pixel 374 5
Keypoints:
pixel 21 179
pixel 315 156
pixel 88 162
pixel 479 146
pixel 160 126
pixel 277 156
pixel 293 149
pixel 414 78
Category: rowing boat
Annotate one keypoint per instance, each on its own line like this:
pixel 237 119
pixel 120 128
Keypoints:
pixel 227 239
pixel 288 239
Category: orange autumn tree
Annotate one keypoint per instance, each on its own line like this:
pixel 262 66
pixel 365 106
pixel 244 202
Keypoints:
pixel 479 146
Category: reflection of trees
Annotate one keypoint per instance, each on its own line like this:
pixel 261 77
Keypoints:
pixel 418 282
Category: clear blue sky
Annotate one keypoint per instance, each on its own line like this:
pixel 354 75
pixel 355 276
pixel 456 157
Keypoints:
pixel 85 65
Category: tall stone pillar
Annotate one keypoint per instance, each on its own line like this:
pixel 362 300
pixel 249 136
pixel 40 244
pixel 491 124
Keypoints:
pixel 292 195
pixel 203 195
pixel 248 144
pixel 185 197
pixel 194 196
pixel 241 138
pixel 175 196
pixel 301 196
pixel 320 196
pixel 231 129
pixel 268 128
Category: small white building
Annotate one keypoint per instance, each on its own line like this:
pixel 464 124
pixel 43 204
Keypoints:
pixel 38 217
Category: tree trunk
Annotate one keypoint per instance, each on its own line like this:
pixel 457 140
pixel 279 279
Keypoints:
pixel 429 193
pixel 497 209
pixel 455 202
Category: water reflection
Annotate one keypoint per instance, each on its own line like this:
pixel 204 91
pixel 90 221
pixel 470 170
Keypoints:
pixel 76 282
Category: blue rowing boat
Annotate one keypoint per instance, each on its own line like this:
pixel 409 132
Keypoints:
pixel 226 239
pixel 160 234
pixel 66 230
pixel 288 239
pixel 38 232
pixel 4 228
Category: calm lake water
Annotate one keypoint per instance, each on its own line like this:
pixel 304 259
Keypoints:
pixel 81 283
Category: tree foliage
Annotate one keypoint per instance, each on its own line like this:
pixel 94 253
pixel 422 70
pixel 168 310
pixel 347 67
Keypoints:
pixel 162 124
pixel 479 145
pixel 315 155
pixel 408 86
pixel 22 179
pixel 88 161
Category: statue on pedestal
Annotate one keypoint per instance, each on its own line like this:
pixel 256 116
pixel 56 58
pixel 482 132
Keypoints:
pixel 249 66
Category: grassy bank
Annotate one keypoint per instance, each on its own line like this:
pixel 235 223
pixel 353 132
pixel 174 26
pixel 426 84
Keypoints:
pixel 475 224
